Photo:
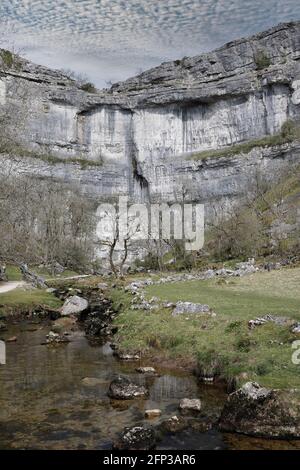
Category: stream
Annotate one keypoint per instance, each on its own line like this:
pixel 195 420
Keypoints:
pixel 46 404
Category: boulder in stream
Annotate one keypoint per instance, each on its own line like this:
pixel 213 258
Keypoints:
pixel 258 411
pixel 122 388
pixel 136 438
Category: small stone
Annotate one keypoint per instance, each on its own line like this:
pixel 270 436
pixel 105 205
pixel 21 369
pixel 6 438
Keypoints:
pixel 52 335
pixel 174 424
pixel 55 338
pixel 152 413
pixel 13 339
pixel 102 286
pixel 127 357
pixel 190 405
pixel 146 370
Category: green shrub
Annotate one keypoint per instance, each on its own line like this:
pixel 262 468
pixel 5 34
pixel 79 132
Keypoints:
pixel 7 58
pixel 88 87
pixel 262 61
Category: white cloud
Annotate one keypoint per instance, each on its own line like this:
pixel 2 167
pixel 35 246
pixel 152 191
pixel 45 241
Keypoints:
pixel 112 39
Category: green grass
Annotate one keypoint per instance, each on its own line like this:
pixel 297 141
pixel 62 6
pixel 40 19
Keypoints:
pixel 225 339
pixel 20 300
pixel 245 147
pixel 14 274
pixel 241 297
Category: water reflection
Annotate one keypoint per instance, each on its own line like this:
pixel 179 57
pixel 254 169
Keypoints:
pixel 46 404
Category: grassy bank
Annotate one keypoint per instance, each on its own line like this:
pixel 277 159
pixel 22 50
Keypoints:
pixel 14 274
pixel 225 341
pixel 20 301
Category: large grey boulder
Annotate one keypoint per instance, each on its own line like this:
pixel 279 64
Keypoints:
pixel 74 304
pixel 258 411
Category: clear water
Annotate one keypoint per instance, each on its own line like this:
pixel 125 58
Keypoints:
pixel 45 405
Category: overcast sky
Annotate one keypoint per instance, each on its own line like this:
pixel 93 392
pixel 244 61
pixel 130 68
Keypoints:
pixel 115 39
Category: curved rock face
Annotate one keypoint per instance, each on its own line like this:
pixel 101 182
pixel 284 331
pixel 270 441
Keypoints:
pixel 258 411
pixel 138 135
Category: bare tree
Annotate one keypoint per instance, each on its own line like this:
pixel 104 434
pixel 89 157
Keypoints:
pixel 43 222
pixel 109 237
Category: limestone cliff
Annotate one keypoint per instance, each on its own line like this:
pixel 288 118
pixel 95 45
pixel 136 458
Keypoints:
pixel 137 137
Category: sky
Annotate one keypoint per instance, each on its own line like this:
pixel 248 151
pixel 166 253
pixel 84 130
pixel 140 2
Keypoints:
pixel 111 40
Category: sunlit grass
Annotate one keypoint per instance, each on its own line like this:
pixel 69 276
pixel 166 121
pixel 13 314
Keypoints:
pixel 263 354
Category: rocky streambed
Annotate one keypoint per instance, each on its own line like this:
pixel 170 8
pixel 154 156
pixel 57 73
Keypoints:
pixel 58 398
pixel 63 387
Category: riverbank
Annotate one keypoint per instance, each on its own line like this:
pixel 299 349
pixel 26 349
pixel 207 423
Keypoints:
pixel 23 301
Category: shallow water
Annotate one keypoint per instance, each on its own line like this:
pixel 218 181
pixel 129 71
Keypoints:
pixel 45 405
